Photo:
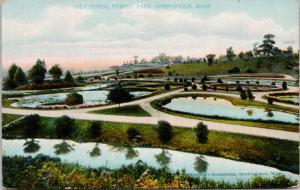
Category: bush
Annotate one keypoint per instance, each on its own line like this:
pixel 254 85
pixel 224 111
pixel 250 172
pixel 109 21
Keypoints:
pixel 234 70
pixel 132 133
pixel 270 101
pixel 215 88
pixel 250 95
pixel 250 71
pixel 64 126
pixel 247 82
pixel 95 129
pixel 194 86
pixel 193 79
pixel 74 99
pixel 201 132
pixel 239 88
pixel 175 79
pixel 257 82
pixel 150 75
pixel 186 89
pixel 220 81
pixel 141 76
pixel 226 88
pixel 167 86
pixel 243 95
pixel 204 87
pixel 164 131
pixel 273 83
pixel 284 85
pixel 237 82
pixel 31 124
pixel 180 80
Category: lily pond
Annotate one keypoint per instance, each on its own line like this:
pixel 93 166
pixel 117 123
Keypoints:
pixel 89 97
pixel 102 155
pixel 210 106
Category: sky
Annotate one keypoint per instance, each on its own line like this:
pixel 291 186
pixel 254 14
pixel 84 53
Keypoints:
pixel 95 34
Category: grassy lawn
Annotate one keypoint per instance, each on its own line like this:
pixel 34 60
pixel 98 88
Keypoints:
pixel 272 152
pixel 240 102
pixel 134 110
pixel 8 118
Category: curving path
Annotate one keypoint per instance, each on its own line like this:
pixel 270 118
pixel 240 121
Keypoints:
pixel 157 115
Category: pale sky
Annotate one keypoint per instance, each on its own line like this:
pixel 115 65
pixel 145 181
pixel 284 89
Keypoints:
pixel 85 37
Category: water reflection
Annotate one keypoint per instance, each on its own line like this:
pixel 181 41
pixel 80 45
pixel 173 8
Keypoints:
pixel 201 164
pixel 131 153
pixel 250 112
pixel 96 151
pixel 270 113
pixel 31 146
pixel 117 148
pixel 163 158
pixel 62 148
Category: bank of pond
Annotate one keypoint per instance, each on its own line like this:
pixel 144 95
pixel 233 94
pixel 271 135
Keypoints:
pixel 99 155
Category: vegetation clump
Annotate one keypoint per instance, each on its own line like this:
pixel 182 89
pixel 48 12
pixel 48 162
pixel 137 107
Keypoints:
pixel 164 131
pixel 201 132
pixel 64 126
pixel 74 99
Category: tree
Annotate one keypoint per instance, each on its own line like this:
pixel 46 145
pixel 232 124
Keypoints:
pixel 270 101
pixel 165 131
pixel 289 51
pixel 95 129
pixel 243 95
pixel 56 72
pixel 204 87
pixel 31 124
pixel 230 53
pixel 219 81
pixel 167 86
pixel 20 77
pixel 64 126
pixel 284 85
pixel 250 95
pixel 74 99
pixel 38 71
pixel 241 55
pixel 210 58
pixel 79 79
pixel 201 132
pixel 119 95
pixel 68 77
pixel 194 87
pixel 266 48
pixel 132 133
pixel 9 82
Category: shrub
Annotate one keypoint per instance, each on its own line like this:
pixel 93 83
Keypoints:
pixel 180 80
pixel 201 132
pixel 270 101
pixel 250 71
pixel 74 99
pixel 204 87
pixel 119 95
pixel 184 80
pixel 237 82
pixel 284 85
pixel 132 133
pixel 194 86
pixel 248 82
pixel 79 79
pixel 226 88
pixel 128 76
pixel 193 79
pixel 273 83
pixel 186 89
pixel 234 70
pixel 257 82
pixel 164 131
pixel 167 86
pixel 95 129
pixel 31 124
pixel 175 79
pixel 170 73
pixel 220 81
pixel 243 95
pixel 64 126
pixel 204 79
pixel 141 76
pixel 150 75
pixel 250 95
pixel 215 88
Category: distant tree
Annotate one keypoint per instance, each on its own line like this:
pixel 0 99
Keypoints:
pixel 165 131
pixel 167 86
pixel 226 88
pixel 248 55
pixel 243 95
pixel 38 71
pixel 119 95
pixel 95 129
pixel 270 101
pixel 194 86
pixel 79 79
pixel 68 78
pixel 64 126
pixel 193 79
pixel 266 48
pixel 132 133
pixel 210 58
pixel 239 88
pixel 204 79
pixel 235 69
pixel 289 51
pixel 186 89
pixel 250 95
pixel 284 85
pixel 201 132
pixel 9 82
pixel 230 53
pixel 219 81
pixel 74 99
pixel 175 79
pixel 204 87
pixel 257 82
pixel 56 72
pixel 241 55
pixel 135 59
pixel 20 77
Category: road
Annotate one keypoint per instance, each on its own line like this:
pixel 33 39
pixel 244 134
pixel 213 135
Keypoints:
pixel 158 115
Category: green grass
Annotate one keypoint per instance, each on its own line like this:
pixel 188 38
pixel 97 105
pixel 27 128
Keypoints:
pixel 240 102
pixel 281 154
pixel 269 65
pixel 133 110
pixel 8 118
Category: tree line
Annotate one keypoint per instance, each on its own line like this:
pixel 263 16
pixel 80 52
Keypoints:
pixel 36 75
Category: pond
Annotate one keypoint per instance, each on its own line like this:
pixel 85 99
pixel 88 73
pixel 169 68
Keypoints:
pixel 211 106
pixel 102 155
pixel 89 97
